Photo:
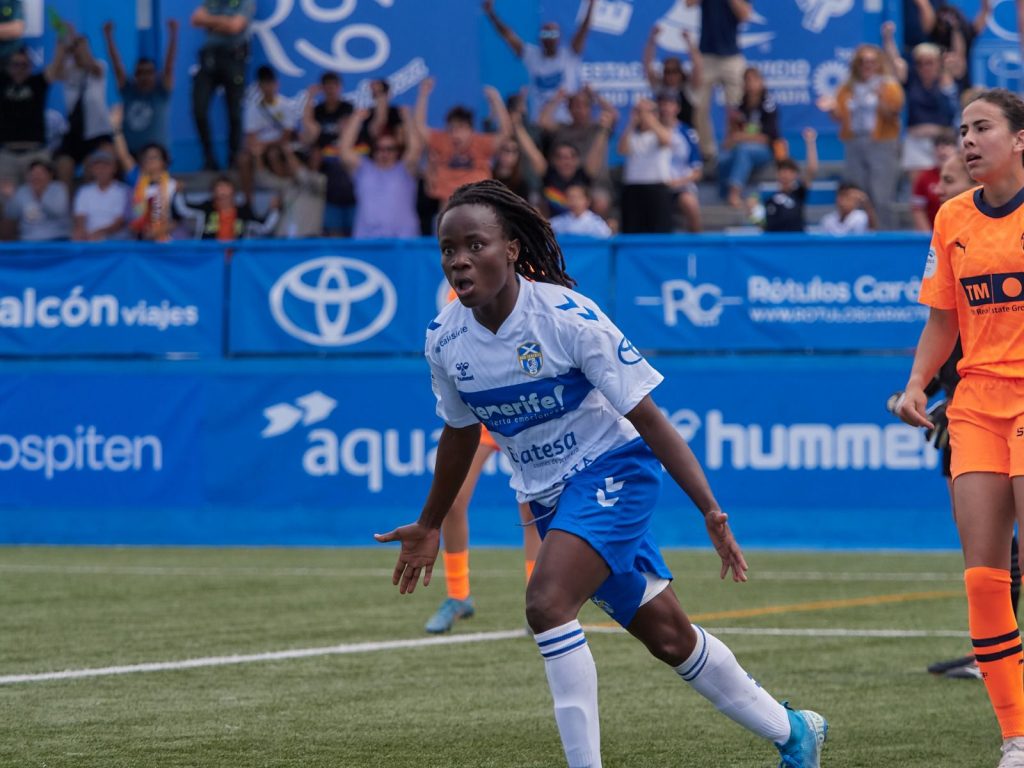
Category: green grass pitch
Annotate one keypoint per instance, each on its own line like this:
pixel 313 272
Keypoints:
pixel 481 703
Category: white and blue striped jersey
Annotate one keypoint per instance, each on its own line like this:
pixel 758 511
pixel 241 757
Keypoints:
pixel 551 385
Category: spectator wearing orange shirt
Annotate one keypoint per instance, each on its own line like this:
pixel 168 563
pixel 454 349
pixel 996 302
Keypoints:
pixel 867 107
pixel 459 155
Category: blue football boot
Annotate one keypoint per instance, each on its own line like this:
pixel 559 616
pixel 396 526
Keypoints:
pixel 806 738
pixel 451 610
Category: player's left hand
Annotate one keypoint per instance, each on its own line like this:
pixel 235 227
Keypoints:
pixel 717 523
pixel 418 553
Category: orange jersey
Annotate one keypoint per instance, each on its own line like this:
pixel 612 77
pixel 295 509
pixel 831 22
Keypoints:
pixel 976 267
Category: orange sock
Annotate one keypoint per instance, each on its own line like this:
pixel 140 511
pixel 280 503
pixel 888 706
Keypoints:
pixel 997 646
pixel 529 569
pixel 456 574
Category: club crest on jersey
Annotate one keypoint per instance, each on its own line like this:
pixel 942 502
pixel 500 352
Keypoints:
pixel 531 358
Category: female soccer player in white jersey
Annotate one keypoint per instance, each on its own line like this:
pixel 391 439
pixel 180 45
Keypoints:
pixel 567 397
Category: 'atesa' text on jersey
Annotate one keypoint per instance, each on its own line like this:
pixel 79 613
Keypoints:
pixel 551 385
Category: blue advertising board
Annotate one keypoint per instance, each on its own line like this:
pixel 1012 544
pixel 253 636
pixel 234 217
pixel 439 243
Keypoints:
pixel 333 296
pixel 97 439
pixel 329 451
pixel 111 299
pixel 770 293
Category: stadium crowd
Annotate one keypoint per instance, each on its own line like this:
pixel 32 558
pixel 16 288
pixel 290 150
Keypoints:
pixel 317 165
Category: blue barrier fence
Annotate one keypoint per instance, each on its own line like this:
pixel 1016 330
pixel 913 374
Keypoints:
pixel 304 413
pixel 799 450
pixel 678 294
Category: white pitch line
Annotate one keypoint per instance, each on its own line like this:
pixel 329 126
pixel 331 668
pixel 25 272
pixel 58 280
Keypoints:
pixel 683 576
pixel 476 637
pixel 295 653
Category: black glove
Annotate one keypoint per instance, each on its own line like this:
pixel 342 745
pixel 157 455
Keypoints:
pixel 892 405
pixel 939 435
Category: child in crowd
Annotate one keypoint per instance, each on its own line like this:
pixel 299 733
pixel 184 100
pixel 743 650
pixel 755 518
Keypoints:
pixel 784 210
pixel 853 215
pixel 579 219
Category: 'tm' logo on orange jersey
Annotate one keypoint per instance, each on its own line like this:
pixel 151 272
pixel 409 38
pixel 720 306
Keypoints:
pixel 994 289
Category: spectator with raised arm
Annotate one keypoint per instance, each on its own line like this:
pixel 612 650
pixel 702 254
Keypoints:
pixel 459 155
pixel 944 23
pixel 671 76
pixel 686 167
pixel 518 159
pixel 222 62
pixel 223 218
pixel 588 135
pixel 147 93
pixel 647 146
pixel 152 188
pixel 867 107
pixel 85 102
pixel 322 123
pixel 270 119
pixel 12 28
pixel 385 181
pixel 932 100
pixel 100 207
pixel 723 62
pixel 23 109
pixel 784 209
pixel 39 208
pixel 550 66
pixel 299 190
pixel 384 117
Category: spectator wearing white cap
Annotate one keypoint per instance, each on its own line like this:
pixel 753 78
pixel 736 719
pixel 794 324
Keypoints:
pixel 101 207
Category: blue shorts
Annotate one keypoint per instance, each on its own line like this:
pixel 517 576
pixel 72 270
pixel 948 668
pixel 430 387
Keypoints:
pixel 609 505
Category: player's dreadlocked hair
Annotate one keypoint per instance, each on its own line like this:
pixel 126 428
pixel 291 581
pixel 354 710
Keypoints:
pixel 540 258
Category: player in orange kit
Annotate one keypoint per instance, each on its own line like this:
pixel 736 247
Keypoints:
pixel 975 287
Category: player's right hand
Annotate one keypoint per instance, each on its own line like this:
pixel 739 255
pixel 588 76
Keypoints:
pixel 418 553
pixel 913 407
pixel 717 523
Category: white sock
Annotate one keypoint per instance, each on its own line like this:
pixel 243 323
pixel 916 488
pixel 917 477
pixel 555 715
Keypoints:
pixel 716 675
pixel 572 678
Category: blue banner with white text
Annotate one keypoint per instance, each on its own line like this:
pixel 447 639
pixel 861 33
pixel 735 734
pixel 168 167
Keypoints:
pixel 327 451
pixel 770 293
pixel 95 439
pixel 114 299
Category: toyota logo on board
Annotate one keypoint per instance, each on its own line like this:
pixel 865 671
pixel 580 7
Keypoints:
pixel 333 301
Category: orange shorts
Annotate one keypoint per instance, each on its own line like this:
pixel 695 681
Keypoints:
pixel 986 426
pixel 487 440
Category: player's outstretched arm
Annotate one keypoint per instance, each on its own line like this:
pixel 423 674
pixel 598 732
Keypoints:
pixel 677 458
pixel 420 540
